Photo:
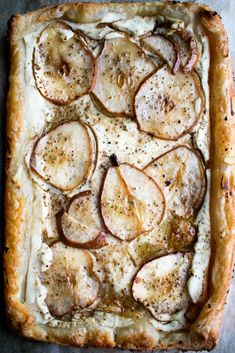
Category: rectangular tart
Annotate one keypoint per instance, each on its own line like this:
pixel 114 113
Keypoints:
pixel 122 236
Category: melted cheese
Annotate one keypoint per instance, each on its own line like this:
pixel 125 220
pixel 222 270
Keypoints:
pixel 46 257
pixel 110 320
pixel 119 136
pixel 202 250
pixel 137 26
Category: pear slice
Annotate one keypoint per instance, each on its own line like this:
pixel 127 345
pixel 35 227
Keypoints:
pixel 63 156
pixel 165 48
pixel 169 106
pixel 94 150
pixel 63 68
pixel 131 202
pixel 121 68
pixel 161 284
pixel 181 175
pixel 70 281
pixel 80 225
pixel 92 45
pixel 188 48
pixel 119 269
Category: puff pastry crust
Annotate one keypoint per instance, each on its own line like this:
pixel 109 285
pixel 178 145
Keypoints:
pixel 204 332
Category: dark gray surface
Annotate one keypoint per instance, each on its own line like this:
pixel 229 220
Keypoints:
pixel 10 342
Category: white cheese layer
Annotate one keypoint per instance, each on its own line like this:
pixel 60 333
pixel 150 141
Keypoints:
pixel 202 249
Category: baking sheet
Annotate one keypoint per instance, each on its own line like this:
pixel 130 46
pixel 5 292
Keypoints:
pixel 9 342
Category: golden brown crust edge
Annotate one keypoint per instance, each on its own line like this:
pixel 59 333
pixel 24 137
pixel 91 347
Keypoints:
pixel 14 201
pixel 205 330
pixel 223 179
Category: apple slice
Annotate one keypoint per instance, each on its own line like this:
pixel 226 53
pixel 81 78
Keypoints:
pixel 80 225
pixel 169 106
pixel 63 155
pixel 121 67
pixel 70 281
pixel 165 48
pixel 131 202
pixel 181 175
pixel 161 284
pixel 63 68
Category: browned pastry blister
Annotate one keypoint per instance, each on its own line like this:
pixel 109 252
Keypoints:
pixel 120 184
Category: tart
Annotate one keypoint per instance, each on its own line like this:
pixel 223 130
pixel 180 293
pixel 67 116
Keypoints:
pixel 120 203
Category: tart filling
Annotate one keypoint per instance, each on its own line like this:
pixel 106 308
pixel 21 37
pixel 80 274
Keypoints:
pixel 117 165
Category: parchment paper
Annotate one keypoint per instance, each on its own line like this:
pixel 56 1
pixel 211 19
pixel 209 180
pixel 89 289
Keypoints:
pixel 9 342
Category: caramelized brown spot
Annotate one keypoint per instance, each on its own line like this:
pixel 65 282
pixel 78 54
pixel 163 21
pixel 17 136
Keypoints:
pixel 182 236
pixel 64 69
pixel 167 105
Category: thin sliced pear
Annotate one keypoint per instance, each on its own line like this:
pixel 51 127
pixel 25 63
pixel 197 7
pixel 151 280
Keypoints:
pixel 158 62
pixel 181 175
pixel 63 156
pixel 70 280
pixel 63 68
pixel 169 106
pixel 136 26
pixel 80 225
pixel 166 49
pixel 94 148
pixel 92 45
pixel 131 202
pixel 161 284
pixel 119 270
pixel 53 203
pixel 188 48
pixel 121 68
